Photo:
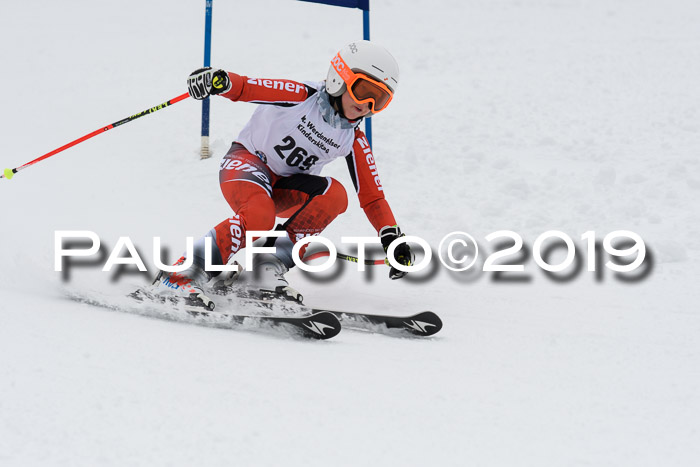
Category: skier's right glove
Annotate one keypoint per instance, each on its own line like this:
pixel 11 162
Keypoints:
pixel 402 253
pixel 207 81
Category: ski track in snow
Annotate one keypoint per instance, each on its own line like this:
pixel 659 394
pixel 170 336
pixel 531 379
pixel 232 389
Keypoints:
pixel 526 116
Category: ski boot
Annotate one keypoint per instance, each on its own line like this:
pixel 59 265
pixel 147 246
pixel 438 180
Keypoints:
pixel 179 288
pixel 267 280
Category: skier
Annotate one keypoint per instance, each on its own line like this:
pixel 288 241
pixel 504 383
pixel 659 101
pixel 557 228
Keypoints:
pixel 272 169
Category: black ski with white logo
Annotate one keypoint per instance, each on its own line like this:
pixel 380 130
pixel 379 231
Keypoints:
pixel 317 325
pixel 423 324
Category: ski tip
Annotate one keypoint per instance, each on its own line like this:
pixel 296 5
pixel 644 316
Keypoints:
pixel 424 324
pixel 322 325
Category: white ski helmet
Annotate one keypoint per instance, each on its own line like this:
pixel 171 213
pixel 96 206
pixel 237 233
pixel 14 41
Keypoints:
pixel 366 58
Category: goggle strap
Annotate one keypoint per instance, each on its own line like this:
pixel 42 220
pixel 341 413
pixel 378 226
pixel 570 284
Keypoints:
pixel 343 69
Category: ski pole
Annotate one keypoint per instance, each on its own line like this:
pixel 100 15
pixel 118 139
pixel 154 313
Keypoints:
pixel 9 173
pixel 352 259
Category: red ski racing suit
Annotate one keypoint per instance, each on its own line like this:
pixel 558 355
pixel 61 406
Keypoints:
pixel 273 168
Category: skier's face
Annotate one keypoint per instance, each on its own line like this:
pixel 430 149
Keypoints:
pixel 352 109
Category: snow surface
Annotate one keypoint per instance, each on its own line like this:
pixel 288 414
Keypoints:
pixel 523 115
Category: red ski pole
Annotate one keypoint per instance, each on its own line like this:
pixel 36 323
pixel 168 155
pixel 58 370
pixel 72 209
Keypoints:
pixel 9 173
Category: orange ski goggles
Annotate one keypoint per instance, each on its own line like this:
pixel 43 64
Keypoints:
pixel 363 88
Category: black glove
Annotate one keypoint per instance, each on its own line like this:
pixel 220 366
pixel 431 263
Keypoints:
pixel 402 253
pixel 207 81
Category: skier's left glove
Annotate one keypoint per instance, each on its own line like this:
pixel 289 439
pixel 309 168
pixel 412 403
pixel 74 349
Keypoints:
pixel 207 81
pixel 402 253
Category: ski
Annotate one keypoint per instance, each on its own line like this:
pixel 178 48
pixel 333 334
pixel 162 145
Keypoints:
pixel 424 324
pixel 302 320
pixel 317 325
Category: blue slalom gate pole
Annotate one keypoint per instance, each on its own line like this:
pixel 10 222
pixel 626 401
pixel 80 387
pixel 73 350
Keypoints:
pixel 207 62
pixel 365 36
